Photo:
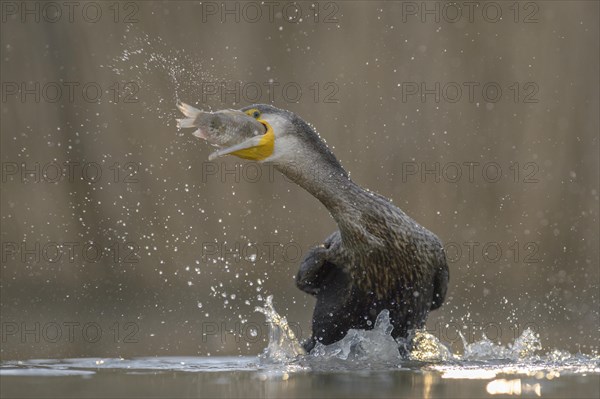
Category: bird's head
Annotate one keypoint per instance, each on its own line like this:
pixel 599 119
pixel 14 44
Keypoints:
pixel 284 139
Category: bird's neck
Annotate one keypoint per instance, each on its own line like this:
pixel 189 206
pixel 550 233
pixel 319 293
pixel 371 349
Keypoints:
pixel 331 185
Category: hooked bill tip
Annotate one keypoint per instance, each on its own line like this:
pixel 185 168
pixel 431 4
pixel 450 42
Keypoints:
pixel 214 155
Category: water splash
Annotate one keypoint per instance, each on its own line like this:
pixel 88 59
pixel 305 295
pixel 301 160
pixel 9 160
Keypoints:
pixel 524 347
pixel 426 347
pixel 168 73
pixel 377 348
pixel 358 346
pixel 283 345
pixel 363 345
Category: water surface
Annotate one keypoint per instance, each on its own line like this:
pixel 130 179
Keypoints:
pixel 362 364
pixel 239 377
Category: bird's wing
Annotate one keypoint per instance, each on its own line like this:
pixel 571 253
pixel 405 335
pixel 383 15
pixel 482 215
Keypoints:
pixel 440 283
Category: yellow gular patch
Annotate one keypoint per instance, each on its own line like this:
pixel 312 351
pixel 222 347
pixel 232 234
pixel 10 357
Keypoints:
pixel 263 150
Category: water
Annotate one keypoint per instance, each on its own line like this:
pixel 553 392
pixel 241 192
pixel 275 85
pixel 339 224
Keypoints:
pixel 363 364
pixel 182 377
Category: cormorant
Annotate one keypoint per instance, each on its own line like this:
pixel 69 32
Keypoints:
pixel 379 258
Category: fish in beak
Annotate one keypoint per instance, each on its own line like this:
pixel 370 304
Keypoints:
pixel 234 132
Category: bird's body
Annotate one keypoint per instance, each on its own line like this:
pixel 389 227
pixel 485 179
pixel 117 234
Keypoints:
pixel 378 259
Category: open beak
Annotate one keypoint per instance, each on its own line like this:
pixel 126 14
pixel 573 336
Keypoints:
pixel 256 148
pixel 233 131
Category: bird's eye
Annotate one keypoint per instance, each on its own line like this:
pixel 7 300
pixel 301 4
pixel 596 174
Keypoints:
pixel 255 114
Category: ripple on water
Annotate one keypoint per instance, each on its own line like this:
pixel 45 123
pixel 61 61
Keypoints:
pixel 360 350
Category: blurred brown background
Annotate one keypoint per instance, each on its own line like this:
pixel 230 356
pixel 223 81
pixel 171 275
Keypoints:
pixel 523 244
